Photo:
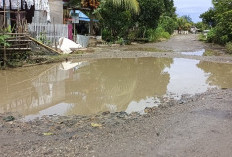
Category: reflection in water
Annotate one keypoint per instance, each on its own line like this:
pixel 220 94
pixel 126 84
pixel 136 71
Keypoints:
pixel 219 74
pixel 105 85
pixel 30 90
pixel 186 78
pixel 113 84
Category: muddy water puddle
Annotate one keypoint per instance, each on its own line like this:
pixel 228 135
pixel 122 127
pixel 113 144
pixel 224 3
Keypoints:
pixel 85 88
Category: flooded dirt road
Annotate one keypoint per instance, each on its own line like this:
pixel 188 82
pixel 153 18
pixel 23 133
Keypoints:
pixel 115 85
pixel 193 92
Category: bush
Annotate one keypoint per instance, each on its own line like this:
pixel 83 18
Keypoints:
pixel 157 34
pixel 106 35
pixel 202 37
pixel 3 38
pixel 133 34
pixel 211 36
pixel 229 47
pixel 168 24
pixel 215 36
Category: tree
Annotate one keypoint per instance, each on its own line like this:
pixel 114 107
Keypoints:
pixel 220 18
pixel 169 24
pixel 120 22
pixel 115 20
pixel 202 26
pixel 170 10
pixel 130 4
pixel 187 18
pixel 209 17
pixel 150 12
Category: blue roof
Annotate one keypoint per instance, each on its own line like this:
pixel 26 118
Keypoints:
pixel 82 16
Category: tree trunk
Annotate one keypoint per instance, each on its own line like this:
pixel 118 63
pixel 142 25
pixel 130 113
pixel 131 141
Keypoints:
pixel 91 23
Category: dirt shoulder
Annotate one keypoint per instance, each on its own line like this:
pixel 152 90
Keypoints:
pixel 193 126
pixel 171 48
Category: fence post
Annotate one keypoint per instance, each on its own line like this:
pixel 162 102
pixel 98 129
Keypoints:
pixel 4 26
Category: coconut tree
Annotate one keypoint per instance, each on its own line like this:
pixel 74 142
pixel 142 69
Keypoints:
pixel 130 4
pixel 93 4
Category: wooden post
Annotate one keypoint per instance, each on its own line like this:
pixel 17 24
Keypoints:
pixel 4 26
pixel 91 23
pixel 54 33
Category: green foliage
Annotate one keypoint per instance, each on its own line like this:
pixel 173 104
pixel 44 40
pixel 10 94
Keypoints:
pixel 43 39
pixel 170 10
pixel 181 23
pixel 3 41
pixel 229 47
pixel 187 18
pixel 120 23
pixel 120 41
pixel 116 21
pixel 202 26
pixel 3 38
pixel 211 36
pixel 106 35
pixel 150 12
pixel 202 37
pixel 157 34
pixel 133 34
pixel 187 26
pixel 210 52
pixel 208 17
pixel 220 18
pixel 132 5
pixel 169 24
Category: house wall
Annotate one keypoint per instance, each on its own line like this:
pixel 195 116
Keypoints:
pixel 56 10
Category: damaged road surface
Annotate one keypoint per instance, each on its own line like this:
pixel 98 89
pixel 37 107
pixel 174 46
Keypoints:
pixel 194 121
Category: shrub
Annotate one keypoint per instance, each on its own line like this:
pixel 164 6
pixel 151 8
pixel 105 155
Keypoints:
pixel 168 24
pixel 157 34
pixel 106 35
pixel 211 36
pixel 229 47
pixel 133 34
pixel 202 37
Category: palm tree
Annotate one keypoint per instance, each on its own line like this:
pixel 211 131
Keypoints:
pixel 133 5
pixel 130 4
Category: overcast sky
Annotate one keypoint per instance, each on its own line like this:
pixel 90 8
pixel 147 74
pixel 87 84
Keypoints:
pixel 193 8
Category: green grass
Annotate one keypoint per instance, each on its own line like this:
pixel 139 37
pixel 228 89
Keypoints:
pixel 201 37
pixel 210 52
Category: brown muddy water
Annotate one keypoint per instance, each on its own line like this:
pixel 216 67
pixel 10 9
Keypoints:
pixel 113 85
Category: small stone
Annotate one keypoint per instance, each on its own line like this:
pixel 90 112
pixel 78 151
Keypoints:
pixel 106 113
pixel 148 110
pixel 122 115
pixel 9 118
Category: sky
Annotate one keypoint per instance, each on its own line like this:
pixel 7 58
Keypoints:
pixel 193 8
